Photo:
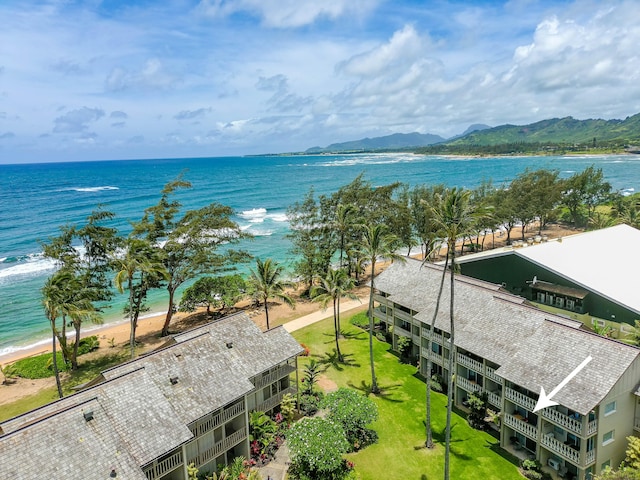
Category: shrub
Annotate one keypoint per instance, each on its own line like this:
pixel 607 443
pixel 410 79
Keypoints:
pixel 360 320
pixel 353 411
pixel 306 351
pixel 310 403
pixel 39 366
pixel 438 384
pixel 478 410
pixel 404 347
pixel 88 344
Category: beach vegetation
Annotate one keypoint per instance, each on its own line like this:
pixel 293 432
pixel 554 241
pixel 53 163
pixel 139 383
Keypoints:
pixel 187 243
pixel 267 281
pixel 221 292
pixel 140 269
pixel 331 288
pixel 376 242
pixel 583 191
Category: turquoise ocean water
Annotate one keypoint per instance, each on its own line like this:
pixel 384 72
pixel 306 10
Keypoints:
pixel 36 199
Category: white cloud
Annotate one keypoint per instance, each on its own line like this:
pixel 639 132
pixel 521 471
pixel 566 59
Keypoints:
pixel 288 13
pixel 152 75
pixel 78 120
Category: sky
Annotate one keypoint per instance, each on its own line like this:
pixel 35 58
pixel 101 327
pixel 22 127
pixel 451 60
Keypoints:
pixel 129 79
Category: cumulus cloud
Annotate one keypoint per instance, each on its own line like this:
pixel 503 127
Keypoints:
pixel 151 76
pixel 118 114
pixel 282 99
pixel 78 120
pixel 192 114
pixel 118 124
pixel 288 13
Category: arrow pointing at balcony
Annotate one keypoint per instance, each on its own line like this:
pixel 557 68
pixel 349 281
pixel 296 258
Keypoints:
pixel 545 400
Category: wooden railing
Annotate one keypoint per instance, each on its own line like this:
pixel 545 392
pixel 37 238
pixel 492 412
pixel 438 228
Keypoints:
pixel 271 402
pixel 520 399
pixel 561 449
pixel 520 426
pixel 470 363
pixel 467 385
pixel 274 376
pixel 220 447
pixel 563 420
pixel 165 466
pixel 435 358
pixel 491 373
pixel 218 419
pixel 494 399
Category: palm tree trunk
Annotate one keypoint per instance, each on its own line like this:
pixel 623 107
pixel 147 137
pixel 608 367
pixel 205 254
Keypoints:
pixel 338 319
pixel 55 361
pixel 450 383
pixel 429 442
pixel 76 345
pixel 132 323
pixel 266 312
pixel 374 383
pixel 167 318
pixel 336 326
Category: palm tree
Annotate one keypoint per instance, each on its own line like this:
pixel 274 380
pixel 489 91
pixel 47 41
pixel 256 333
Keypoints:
pixel 454 216
pixel 334 286
pixel 343 223
pixel 267 282
pixel 376 242
pixel 138 268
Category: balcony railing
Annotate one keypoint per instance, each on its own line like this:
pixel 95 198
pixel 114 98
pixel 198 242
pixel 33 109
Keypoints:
pixel 570 453
pixel 521 426
pixel 470 363
pixel 271 402
pixel 563 420
pixel 437 337
pixel 592 427
pixel 220 447
pixel 283 371
pixel 165 466
pixel 402 315
pixel 435 358
pixel 494 399
pixel 491 373
pixel 520 399
pixel 590 458
pixel 218 419
pixel 467 385
pixel 377 313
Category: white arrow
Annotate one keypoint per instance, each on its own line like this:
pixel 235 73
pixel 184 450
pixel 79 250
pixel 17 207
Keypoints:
pixel 545 400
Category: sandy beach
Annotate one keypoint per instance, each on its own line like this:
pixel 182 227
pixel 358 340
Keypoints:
pixel 115 337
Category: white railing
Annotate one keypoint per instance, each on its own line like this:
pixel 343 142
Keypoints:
pixel 494 399
pixel 269 403
pixel 470 363
pixel 380 314
pixel 220 447
pixel 592 427
pixel 435 358
pixel 437 337
pixel 165 466
pixel 520 426
pixel 217 419
pixel 563 420
pixel 402 315
pixel 561 449
pixel 590 458
pixel 520 399
pixel 491 373
pixel 467 385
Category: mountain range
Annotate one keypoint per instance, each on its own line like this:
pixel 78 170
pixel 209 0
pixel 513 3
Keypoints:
pixel 567 131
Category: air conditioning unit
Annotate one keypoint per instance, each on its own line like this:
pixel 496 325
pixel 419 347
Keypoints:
pixel 553 463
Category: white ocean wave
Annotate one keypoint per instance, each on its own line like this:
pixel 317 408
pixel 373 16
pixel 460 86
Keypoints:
pixel 34 264
pixel 12 348
pixel 379 159
pixel 94 189
pixel 253 213
pixel 262 233
pixel 278 217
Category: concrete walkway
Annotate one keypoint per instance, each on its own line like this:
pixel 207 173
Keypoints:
pixel 277 468
pixel 314 317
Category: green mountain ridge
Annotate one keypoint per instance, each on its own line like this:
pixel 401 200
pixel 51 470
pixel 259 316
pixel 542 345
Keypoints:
pixel 396 140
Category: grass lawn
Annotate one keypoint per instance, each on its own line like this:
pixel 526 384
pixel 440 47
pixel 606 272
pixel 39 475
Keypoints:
pixel 400 453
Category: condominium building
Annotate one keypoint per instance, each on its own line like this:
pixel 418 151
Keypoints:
pixel 509 349
pixel 148 419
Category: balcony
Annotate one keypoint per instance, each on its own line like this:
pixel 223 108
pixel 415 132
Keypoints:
pixel 435 358
pixel 220 447
pixel 520 399
pixel 468 385
pixel 380 314
pixel 519 425
pixel 165 466
pixel 491 374
pixel 590 458
pixel 470 363
pixel 218 419
pixel 567 452
pixel 402 315
pixel 283 371
pixel 563 420
pixel 495 399
pixel 271 402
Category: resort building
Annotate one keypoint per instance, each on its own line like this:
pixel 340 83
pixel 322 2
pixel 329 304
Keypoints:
pixel 149 418
pixel 578 276
pixel 510 349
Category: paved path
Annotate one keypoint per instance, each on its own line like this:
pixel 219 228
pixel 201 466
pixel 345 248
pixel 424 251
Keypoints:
pixel 314 317
pixel 277 468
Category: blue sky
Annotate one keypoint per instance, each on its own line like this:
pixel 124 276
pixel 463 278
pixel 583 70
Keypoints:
pixel 116 79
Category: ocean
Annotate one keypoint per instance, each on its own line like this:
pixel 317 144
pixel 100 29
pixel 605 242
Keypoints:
pixel 36 199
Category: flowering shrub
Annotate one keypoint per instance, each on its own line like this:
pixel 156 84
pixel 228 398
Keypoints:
pixel 306 351
pixel 354 412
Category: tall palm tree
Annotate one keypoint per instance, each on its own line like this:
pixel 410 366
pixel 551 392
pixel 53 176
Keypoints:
pixel 138 266
pixel 343 223
pixel 454 215
pixel 376 243
pixel 268 282
pixel 334 286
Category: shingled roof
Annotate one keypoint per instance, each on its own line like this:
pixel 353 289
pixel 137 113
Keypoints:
pixel 532 347
pixel 140 410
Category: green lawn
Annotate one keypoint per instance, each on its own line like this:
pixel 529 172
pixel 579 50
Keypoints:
pixel 400 453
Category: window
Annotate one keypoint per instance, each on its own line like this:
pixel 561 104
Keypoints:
pixel 610 408
pixel 608 437
pixel 605 465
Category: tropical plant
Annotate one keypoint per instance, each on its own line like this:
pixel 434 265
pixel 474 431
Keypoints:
pixel 354 412
pixel 316 446
pixel 267 282
pixel 331 288
pixel 344 223
pixel 139 269
pixel 311 374
pixel 454 216
pixel 477 404
pixel 288 408
pixel 217 292
pixel 376 243
pixel 262 429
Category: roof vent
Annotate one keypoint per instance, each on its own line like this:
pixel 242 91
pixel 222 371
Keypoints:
pixel 229 344
pixel 173 380
pixel 88 415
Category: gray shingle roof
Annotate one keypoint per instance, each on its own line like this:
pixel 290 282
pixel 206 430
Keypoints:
pixel 532 347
